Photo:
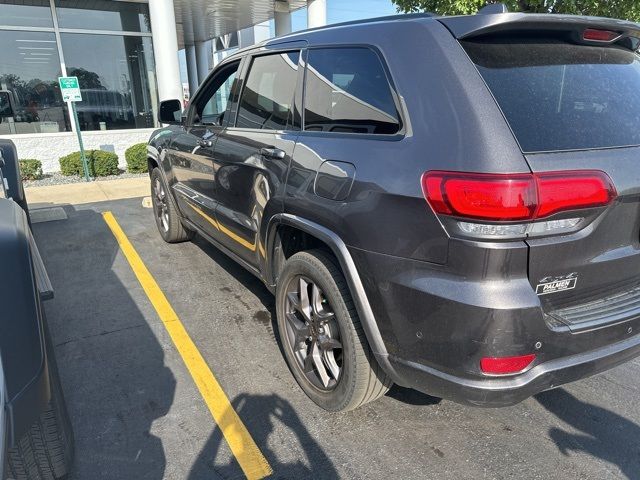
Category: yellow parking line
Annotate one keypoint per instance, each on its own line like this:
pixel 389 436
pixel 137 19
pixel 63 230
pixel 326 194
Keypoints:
pixel 249 456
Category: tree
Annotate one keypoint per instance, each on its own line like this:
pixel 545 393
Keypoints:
pixel 624 9
pixel 87 79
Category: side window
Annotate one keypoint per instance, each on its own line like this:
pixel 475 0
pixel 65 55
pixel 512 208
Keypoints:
pixel 267 97
pixel 210 108
pixel 347 91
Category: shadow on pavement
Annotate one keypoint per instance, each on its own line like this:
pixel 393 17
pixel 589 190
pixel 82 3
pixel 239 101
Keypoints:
pixel 412 397
pixel 112 367
pixel 603 433
pixel 262 414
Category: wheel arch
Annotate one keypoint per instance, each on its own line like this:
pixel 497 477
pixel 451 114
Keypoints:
pixel 323 237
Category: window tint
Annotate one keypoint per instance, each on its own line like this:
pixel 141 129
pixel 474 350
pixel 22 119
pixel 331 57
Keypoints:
pixel 103 15
pixel 347 91
pixel 36 13
pixel 116 79
pixel 211 109
pixel 29 69
pixel 560 96
pixel 268 94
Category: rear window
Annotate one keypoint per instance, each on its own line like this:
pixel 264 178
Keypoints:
pixel 347 91
pixel 561 96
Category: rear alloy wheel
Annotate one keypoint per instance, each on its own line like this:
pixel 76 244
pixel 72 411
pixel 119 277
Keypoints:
pixel 165 212
pixel 321 335
pixel 312 333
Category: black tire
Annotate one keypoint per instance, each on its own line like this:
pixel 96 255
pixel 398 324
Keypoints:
pixel 361 379
pixel 46 451
pixel 165 211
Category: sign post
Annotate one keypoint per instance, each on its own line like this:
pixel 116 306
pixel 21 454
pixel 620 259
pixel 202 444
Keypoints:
pixel 70 89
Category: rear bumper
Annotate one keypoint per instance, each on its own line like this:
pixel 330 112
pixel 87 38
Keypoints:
pixel 502 392
pixel 437 326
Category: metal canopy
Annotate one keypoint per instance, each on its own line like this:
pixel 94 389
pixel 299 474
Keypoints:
pixel 201 20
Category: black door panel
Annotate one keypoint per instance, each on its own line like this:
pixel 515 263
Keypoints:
pixel 252 158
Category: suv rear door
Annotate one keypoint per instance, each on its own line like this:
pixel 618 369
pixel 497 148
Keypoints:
pixel 252 154
pixel 573 104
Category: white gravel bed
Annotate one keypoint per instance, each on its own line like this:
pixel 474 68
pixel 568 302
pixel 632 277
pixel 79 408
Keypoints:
pixel 57 178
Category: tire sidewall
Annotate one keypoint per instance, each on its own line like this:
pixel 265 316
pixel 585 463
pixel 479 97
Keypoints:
pixel 172 234
pixel 310 267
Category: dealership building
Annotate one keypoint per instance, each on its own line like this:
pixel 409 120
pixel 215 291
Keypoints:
pixel 127 55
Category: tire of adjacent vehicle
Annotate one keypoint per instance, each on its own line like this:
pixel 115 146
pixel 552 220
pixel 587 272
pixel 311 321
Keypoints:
pixel 46 451
pixel 177 232
pixel 362 380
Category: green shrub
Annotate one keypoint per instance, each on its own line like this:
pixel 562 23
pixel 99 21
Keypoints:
pixel 101 163
pixel 72 164
pixel 136 157
pixel 30 168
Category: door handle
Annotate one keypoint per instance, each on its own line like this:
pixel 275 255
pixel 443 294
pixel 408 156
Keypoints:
pixel 272 152
pixel 205 143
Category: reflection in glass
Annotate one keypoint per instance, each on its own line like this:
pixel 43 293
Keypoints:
pixel 35 13
pixel 217 104
pixel 117 80
pixel 347 91
pixel 268 95
pixel 30 67
pixel 103 15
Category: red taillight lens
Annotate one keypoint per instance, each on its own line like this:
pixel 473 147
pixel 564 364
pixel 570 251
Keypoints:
pixel 490 197
pixel 593 35
pixel 573 190
pixel 497 197
pixel 505 365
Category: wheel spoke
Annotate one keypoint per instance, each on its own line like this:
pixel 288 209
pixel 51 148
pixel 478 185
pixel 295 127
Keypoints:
pixel 294 301
pixel 319 310
pixel 330 361
pixel 301 331
pixel 328 344
pixel 303 295
pixel 321 370
pixel 308 362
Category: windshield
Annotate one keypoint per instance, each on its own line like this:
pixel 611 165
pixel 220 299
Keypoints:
pixel 561 96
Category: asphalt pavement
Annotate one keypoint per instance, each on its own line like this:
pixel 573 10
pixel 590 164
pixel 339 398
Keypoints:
pixel 137 413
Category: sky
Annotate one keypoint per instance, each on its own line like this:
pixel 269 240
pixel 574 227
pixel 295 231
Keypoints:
pixel 337 11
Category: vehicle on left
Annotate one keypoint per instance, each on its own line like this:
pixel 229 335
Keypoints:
pixel 36 439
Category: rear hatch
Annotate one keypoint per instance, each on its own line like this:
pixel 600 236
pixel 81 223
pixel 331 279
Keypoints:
pixel 569 88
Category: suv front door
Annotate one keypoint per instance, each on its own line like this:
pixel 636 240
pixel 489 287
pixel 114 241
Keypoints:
pixel 192 151
pixel 252 155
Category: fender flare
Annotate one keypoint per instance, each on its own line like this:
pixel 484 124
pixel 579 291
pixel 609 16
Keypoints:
pixel 350 272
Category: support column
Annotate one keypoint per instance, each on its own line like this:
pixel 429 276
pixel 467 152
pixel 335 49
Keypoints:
pixel 202 60
pixel 165 49
pixel 282 18
pixel 192 68
pixel 316 13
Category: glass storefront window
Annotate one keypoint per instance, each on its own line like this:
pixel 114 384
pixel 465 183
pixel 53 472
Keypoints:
pixel 117 80
pixel 103 15
pixel 30 13
pixel 29 68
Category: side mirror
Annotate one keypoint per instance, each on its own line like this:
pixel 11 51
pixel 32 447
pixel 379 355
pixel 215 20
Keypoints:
pixel 6 104
pixel 170 112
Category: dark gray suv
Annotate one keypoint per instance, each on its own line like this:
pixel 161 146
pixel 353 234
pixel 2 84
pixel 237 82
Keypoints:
pixel 450 204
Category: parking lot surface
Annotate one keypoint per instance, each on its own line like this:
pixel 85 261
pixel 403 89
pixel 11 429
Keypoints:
pixel 137 413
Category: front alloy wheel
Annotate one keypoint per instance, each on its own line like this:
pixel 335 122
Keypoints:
pixel 160 204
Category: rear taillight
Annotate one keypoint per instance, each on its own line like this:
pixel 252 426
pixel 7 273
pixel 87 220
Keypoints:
pixel 517 197
pixel 506 365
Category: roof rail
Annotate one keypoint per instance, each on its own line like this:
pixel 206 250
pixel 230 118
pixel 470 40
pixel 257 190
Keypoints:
pixel 493 8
